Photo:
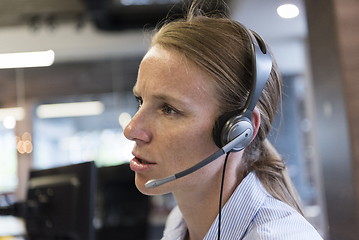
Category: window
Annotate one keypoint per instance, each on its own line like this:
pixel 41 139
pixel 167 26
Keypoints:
pixel 8 160
pixel 74 139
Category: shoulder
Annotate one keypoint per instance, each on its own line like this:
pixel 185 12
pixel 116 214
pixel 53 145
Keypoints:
pixel 276 220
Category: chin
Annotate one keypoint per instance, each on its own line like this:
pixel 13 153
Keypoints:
pixel 140 184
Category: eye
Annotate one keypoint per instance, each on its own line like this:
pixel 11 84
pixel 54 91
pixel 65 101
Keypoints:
pixel 168 110
pixel 139 102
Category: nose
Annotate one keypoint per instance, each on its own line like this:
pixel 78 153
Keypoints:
pixel 137 129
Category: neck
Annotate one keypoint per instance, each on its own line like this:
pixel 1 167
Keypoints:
pixel 199 205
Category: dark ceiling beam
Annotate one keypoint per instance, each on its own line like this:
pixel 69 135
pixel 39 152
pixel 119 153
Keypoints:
pixel 68 79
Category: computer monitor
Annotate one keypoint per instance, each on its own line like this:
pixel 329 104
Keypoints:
pixel 122 212
pixel 60 203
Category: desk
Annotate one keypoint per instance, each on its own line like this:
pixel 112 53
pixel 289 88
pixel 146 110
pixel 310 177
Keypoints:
pixel 11 226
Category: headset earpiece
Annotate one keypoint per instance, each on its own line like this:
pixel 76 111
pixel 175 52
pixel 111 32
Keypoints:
pixel 232 124
pixel 227 128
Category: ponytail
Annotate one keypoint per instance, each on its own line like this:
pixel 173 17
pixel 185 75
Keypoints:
pixel 262 158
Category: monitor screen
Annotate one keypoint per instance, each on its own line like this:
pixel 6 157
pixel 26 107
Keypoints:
pixel 122 211
pixel 61 203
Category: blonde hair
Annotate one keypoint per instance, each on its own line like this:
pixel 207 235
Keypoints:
pixel 220 47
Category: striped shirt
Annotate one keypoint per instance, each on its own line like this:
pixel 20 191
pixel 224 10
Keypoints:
pixel 251 213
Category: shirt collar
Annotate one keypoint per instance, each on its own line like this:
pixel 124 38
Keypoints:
pixel 240 209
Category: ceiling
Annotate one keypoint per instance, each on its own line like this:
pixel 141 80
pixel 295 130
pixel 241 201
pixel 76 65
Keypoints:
pixel 35 12
pixel 65 27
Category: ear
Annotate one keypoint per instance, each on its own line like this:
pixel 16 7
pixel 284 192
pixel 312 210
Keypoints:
pixel 256 121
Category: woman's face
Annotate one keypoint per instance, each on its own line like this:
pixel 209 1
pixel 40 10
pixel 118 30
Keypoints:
pixel 172 128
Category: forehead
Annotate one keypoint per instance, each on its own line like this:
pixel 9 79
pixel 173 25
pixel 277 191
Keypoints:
pixel 169 71
pixel 169 62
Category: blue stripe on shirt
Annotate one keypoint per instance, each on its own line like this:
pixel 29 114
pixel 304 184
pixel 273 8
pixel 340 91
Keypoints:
pixel 250 214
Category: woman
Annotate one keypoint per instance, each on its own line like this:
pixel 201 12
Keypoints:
pixel 196 71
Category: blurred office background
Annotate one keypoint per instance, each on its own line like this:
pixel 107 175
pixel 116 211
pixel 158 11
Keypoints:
pixel 97 47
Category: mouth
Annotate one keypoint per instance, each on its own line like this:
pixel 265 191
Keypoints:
pixel 142 161
pixel 139 164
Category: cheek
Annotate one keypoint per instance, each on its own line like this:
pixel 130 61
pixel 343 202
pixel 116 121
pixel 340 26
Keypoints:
pixel 190 145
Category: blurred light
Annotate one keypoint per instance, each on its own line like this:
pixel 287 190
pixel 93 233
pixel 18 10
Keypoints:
pixel 24 144
pixel 27 146
pixel 312 211
pixel 18 113
pixel 26 136
pixel 124 119
pixel 9 122
pixel 288 11
pixel 27 59
pixel 75 109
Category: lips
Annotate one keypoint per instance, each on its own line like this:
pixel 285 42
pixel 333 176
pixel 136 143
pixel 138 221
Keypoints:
pixel 142 161
pixel 139 164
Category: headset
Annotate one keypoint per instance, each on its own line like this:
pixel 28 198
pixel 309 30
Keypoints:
pixel 233 131
pixel 232 124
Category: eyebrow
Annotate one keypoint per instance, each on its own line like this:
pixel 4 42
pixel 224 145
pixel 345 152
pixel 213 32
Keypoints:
pixel 168 98
pixel 164 97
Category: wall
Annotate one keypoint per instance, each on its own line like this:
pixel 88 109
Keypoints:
pixel 70 78
pixel 334 48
